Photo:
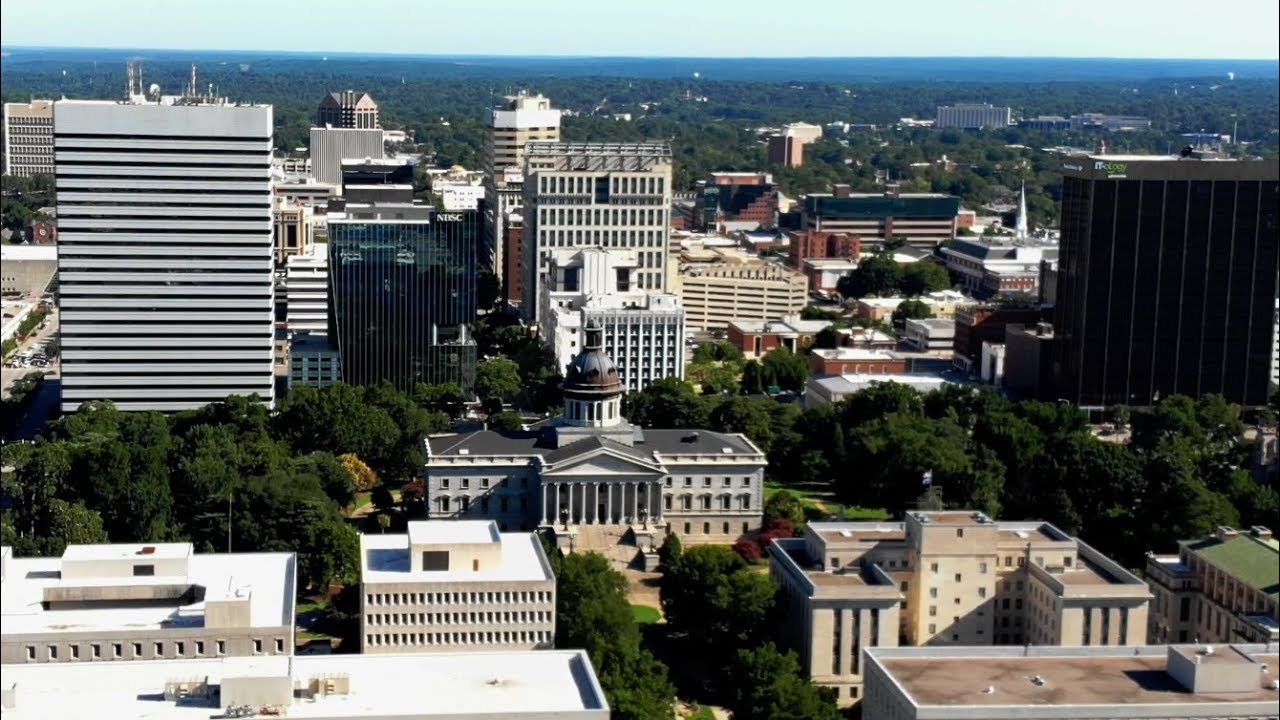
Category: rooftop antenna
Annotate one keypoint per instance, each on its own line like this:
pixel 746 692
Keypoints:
pixel 192 89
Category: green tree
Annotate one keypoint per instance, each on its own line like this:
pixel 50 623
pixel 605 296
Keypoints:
pixel 876 275
pixel 506 421
pixel 670 550
pixel 911 310
pixel 666 403
pixel 497 380
pixel 752 378
pixel 783 505
pixel 923 277
pixel 786 369
pixel 769 685
pixel 711 596
pixel 745 415
pixel 446 398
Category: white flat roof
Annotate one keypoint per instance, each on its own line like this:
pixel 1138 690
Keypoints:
pixel 266 578
pixel 125 551
pixel 29 252
pixel 453 531
pixel 849 353
pixel 501 684
pixel 385 559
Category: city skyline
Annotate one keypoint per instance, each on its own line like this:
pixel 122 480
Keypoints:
pixel 923 29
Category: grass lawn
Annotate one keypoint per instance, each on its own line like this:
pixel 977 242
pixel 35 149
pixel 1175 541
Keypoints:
pixel 819 501
pixel 703 713
pixel 645 615
pixel 362 499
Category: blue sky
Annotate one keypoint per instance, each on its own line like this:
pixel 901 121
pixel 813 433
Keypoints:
pixel 706 28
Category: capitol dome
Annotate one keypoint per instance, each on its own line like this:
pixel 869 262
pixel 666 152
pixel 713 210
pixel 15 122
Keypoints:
pixel 592 373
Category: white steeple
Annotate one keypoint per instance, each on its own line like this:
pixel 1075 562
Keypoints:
pixel 1020 230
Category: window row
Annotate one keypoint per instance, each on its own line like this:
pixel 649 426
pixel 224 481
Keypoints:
pixel 136 650
pixel 707 481
pixel 505 637
pixel 725 528
pixel 705 502
pixel 460 618
pixel 506 597
pixel 465 483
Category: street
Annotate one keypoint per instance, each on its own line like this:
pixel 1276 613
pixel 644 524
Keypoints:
pixel 10 375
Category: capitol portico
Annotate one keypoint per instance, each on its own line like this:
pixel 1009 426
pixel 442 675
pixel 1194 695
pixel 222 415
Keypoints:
pixel 590 466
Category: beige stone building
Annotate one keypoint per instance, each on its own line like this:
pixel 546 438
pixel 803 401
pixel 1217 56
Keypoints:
pixel 28 138
pixel 950 578
pixel 718 285
pixel 1169 682
pixel 519 120
pixel 606 195
pixel 1222 588
pixel 454 585
pixel 101 603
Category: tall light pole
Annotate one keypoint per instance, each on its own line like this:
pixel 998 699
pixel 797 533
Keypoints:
pixel 1235 124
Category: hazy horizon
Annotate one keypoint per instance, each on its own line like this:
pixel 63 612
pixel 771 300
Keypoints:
pixel 1093 29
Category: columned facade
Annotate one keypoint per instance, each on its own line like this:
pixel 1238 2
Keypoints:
pixel 602 502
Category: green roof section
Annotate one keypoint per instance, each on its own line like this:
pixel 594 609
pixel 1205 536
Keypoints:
pixel 1255 561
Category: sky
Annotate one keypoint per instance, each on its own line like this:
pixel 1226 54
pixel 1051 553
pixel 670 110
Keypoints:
pixel 1245 29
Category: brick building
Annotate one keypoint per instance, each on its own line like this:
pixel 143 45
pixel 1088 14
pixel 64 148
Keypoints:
pixel 736 197
pixel 854 361
pixel 977 324
pixel 756 338
pixel 785 150
pixel 810 244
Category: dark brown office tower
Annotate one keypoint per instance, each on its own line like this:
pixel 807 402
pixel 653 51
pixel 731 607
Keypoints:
pixel 1167 278
pixel 348 109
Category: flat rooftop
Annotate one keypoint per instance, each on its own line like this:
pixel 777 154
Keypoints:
pixel 1252 560
pixel 267 579
pixel 385 559
pixel 1098 676
pixel 552 683
pixel 453 531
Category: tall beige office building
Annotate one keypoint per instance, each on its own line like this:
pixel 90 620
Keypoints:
pixel 519 120
pixel 28 138
pixel 455 585
pixel 718 286
pixel 103 603
pixel 1223 588
pixel 605 195
pixel 946 579
pixel 1164 682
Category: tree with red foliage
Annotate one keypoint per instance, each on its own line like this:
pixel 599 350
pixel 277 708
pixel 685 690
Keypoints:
pixel 749 549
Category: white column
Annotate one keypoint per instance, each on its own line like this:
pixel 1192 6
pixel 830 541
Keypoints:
pixel 595 503
pixel 608 503
pixel 555 493
pixel 635 502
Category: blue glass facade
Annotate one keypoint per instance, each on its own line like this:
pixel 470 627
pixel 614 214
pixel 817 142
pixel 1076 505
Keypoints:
pixel 403 297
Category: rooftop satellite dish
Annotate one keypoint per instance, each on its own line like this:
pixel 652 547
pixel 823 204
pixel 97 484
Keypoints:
pixel 154 90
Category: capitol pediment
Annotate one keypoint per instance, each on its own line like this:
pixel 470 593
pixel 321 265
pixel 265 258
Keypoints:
pixel 594 456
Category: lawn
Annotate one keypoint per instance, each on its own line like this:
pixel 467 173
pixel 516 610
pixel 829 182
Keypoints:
pixel 703 713
pixel 645 615
pixel 362 499
pixel 819 502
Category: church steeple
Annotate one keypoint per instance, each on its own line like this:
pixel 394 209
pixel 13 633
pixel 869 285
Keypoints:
pixel 592 389
pixel 1020 229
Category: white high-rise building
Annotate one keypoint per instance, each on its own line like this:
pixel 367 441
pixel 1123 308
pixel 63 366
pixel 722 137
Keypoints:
pixel 519 120
pixel 643 332
pixel 330 146
pixel 164 252
pixel 306 282
pixel 28 138
pixel 606 195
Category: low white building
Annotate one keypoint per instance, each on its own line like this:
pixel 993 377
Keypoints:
pixel 444 686
pixel 831 389
pixel 450 585
pixel 643 331
pixel 107 604
pixel 460 196
pixel 929 334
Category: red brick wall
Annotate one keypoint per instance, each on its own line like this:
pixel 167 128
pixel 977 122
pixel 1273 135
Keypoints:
pixel 830 366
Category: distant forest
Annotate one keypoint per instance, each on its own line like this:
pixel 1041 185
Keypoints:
pixel 712 124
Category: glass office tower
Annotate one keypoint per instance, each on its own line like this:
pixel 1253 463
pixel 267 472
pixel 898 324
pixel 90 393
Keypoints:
pixel 402 283
pixel 1167 279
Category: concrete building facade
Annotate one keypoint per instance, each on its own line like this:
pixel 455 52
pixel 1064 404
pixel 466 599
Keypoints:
pixel 113 603
pixel 642 332
pixel 28 138
pixel 921 219
pixel 786 150
pixel 596 195
pixel 165 252
pixel 331 145
pixel 1219 589
pixel 948 578
pixel 973 116
pixel 720 285
pixel 509 127
pixel 456 585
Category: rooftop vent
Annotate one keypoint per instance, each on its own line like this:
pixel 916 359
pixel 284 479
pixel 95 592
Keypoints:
pixel 991 690
pixel 464 451
pixel 1038 681
pixel 1261 532
pixel 147 550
